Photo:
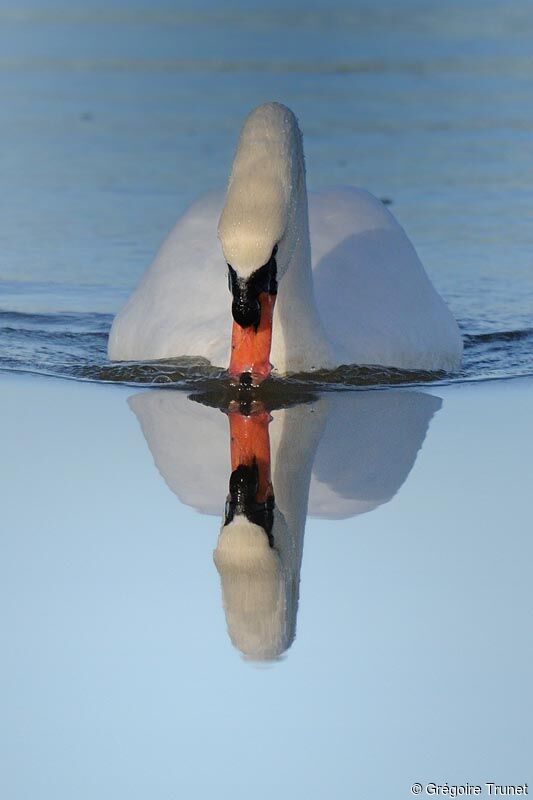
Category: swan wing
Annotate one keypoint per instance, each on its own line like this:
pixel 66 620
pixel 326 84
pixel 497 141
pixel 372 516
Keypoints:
pixel 182 306
pixel 375 299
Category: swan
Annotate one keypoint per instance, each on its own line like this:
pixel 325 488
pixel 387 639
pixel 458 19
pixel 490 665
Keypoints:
pixel 313 284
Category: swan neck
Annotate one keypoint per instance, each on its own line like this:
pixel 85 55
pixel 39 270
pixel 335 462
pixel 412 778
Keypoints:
pixel 299 340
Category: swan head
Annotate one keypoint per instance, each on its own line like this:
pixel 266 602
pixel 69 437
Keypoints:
pixel 257 230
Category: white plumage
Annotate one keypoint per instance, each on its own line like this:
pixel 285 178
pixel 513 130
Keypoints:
pixel 352 289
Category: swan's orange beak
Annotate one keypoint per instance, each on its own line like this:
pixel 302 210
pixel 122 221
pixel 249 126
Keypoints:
pixel 250 346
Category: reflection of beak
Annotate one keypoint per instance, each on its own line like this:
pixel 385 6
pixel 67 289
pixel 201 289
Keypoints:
pixel 251 573
pixel 252 309
pixel 250 451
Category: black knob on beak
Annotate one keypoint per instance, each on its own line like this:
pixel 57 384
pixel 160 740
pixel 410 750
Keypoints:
pixel 246 311
pixel 246 308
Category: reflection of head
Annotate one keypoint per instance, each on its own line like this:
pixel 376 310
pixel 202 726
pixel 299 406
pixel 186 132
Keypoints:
pixel 254 592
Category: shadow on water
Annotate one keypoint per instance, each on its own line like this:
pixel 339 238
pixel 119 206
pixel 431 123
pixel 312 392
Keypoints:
pixel 263 469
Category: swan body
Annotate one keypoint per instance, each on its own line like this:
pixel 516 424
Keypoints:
pixel 352 289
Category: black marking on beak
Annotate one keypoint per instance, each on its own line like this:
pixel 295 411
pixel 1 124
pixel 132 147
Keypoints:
pixel 246 308
pixel 245 380
pixel 243 488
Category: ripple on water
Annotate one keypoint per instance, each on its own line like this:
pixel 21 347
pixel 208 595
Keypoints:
pixel 74 346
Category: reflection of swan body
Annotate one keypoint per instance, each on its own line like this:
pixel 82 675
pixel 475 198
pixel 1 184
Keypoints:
pixel 367 447
pixel 351 287
pixel 341 455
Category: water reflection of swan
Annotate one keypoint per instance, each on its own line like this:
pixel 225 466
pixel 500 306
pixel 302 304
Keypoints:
pixel 341 455
pixel 259 550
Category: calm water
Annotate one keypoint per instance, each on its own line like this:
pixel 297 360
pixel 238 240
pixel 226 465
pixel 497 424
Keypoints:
pixel 379 634
pixel 113 119
pixel 384 638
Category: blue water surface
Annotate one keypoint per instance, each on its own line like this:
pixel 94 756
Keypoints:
pixel 115 116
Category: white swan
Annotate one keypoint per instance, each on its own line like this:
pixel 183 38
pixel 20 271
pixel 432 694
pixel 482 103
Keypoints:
pixel 338 284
